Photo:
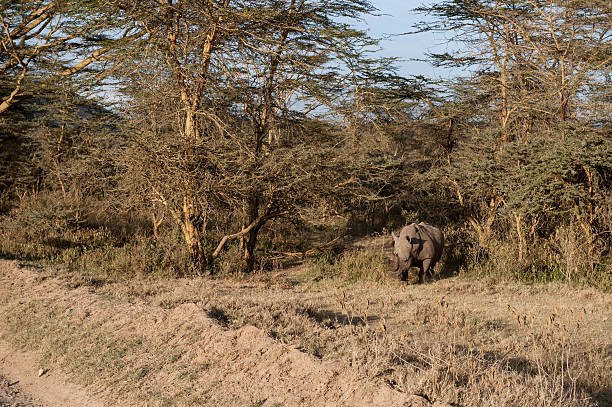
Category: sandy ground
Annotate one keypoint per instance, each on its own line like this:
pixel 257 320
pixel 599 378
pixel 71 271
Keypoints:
pixel 21 385
pixel 12 395
pixel 247 367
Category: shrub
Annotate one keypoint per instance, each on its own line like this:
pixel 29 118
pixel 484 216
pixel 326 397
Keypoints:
pixel 352 265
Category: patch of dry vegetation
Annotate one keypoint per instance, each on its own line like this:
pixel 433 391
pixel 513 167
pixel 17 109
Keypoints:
pixel 434 343
pixel 473 344
pixel 135 353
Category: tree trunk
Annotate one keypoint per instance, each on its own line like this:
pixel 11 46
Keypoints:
pixel 251 237
pixel 191 226
pixel 484 228
pixel 249 249
pixel 519 233
pixel 191 126
pixel 156 222
pixel 483 231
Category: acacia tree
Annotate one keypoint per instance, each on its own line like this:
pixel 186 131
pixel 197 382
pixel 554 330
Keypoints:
pixel 276 55
pixel 53 54
pixel 534 145
pixel 43 42
pixel 218 88
pixel 169 67
pixel 298 57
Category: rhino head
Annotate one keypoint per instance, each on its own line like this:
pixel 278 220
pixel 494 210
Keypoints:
pixel 401 260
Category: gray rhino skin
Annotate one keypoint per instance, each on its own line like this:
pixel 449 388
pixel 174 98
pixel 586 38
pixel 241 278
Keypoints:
pixel 418 245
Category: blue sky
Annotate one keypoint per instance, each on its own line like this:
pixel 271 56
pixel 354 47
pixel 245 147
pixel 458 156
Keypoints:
pixel 398 18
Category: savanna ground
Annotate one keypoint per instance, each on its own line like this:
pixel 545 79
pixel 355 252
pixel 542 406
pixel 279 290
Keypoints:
pixel 310 336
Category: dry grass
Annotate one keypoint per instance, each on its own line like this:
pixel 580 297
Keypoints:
pixel 575 254
pixel 49 230
pixel 470 343
pixel 434 343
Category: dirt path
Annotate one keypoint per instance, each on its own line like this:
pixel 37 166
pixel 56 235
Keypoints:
pixel 138 354
pixel 11 395
pixel 21 385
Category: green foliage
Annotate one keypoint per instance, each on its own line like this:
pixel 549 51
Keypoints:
pixel 140 257
pixel 46 42
pixel 526 134
pixel 251 113
pixel 231 262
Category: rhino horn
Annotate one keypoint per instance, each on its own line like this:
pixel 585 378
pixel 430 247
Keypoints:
pixel 394 237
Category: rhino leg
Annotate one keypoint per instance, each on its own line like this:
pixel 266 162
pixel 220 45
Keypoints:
pixel 424 268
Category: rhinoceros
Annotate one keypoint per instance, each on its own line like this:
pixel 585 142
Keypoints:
pixel 418 245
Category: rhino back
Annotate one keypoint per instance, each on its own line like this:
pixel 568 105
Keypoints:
pixel 409 231
pixel 433 242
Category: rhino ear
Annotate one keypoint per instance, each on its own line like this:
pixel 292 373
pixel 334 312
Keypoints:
pixel 394 237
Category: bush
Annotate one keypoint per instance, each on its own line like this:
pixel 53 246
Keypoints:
pixel 231 261
pixel 47 228
pixel 353 265
pixel 140 257
pixel 574 254
pixel 362 264
pixel 40 228
pixel 579 253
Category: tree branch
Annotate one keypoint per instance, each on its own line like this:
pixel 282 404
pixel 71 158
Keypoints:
pixel 260 220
